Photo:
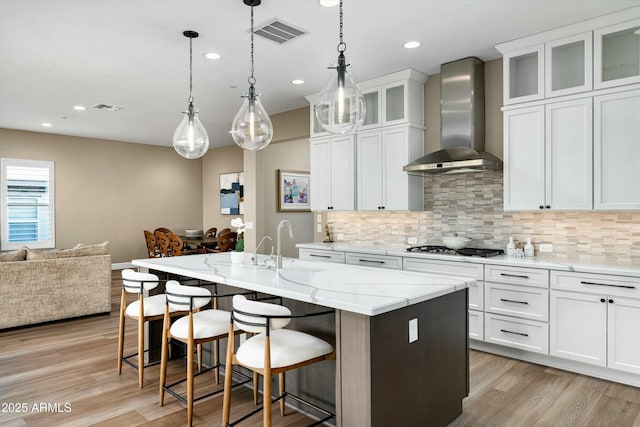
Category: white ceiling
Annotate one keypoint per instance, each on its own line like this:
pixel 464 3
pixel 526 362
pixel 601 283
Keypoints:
pixel 55 54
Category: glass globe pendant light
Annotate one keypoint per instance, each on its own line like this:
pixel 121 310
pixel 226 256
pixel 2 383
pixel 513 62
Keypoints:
pixel 190 139
pixel 340 107
pixel 251 128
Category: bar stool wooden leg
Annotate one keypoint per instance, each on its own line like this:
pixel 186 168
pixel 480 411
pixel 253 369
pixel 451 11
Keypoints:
pixel 199 347
pixel 228 369
pixel 190 350
pixel 164 355
pixel 216 361
pixel 266 394
pixel 281 390
pixel 141 344
pixel 256 384
pixel 123 302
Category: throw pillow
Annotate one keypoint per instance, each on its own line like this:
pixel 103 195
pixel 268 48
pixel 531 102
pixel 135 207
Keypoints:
pixel 85 250
pixel 18 255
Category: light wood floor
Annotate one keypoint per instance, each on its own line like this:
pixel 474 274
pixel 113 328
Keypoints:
pixel 74 363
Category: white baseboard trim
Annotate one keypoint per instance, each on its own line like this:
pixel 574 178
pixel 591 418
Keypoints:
pixel 559 363
pixel 121 265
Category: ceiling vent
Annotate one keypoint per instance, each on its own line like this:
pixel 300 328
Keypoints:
pixel 278 31
pixel 107 107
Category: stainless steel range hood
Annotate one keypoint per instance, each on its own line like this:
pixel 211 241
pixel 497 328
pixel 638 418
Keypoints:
pixel 462 123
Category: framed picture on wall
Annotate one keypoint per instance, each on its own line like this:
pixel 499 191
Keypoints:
pixel 232 193
pixel 293 191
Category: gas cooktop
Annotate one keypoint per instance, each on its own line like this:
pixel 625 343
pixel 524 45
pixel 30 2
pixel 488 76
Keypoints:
pixel 433 249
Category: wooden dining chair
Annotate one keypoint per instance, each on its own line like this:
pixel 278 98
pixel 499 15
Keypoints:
pixel 152 244
pixel 226 242
pixel 164 244
pixel 178 247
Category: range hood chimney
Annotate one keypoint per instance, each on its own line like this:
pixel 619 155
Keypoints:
pixel 462 122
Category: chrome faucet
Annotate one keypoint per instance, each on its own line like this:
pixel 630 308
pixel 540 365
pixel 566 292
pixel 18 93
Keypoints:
pixel 255 257
pixel 278 239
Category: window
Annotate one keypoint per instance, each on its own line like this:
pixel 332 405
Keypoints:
pixel 27 204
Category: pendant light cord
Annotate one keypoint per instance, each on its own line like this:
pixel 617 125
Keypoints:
pixel 342 46
pixel 251 79
pixel 190 69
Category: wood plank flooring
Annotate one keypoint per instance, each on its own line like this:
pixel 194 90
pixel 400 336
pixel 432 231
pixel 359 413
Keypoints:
pixel 65 375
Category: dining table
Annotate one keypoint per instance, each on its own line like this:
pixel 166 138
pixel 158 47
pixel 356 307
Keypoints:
pixel 200 242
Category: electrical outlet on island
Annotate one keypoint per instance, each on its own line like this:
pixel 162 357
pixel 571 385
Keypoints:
pixel 546 248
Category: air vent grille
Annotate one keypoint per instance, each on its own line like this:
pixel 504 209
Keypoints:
pixel 107 107
pixel 278 31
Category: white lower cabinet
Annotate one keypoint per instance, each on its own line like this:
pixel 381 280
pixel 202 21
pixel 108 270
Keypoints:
pixel 380 261
pixel 321 255
pixel 516 304
pixel 599 327
pixel 514 332
pixel 476 325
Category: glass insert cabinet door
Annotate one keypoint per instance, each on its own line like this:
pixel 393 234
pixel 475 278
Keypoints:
pixel 617 55
pixel 372 103
pixel 568 65
pixel 524 75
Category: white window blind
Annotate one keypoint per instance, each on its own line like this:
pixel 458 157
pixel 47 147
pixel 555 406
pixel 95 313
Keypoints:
pixel 27 204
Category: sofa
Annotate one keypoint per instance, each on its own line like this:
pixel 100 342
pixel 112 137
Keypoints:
pixel 39 286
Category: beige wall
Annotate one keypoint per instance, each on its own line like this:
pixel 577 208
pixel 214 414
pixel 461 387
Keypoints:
pixel 108 190
pixel 217 161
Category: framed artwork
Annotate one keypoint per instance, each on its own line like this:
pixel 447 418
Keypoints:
pixel 293 191
pixel 232 193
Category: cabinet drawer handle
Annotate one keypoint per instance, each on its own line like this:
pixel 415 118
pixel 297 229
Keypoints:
pixel 514 333
pixel 607 284
pixel 511 300
pixel 514 275
pixel 371 260
pixel 320 256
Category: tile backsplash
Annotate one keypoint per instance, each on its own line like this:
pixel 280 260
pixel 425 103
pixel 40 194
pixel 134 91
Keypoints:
pixel 470 204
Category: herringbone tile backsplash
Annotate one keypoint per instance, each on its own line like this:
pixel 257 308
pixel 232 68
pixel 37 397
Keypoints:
pixel 471 204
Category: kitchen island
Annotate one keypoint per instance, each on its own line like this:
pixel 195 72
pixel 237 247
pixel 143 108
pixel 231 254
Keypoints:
pixel 381 378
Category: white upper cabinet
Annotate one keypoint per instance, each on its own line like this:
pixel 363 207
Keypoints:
pixel 617 54
pixel 568 65
pixel 523 75
pixel 372 101
pixel 333 173
pixel 617 151
pixel 524 159
pixel 382 184
pixel 548 157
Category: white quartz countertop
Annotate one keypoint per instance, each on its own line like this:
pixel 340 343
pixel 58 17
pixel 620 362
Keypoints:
pixel 364 290
pixel 547 262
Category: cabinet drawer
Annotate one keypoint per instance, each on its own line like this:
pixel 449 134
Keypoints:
pixel 476 296
pixel 516 300
pixel 517 275
pixel 476 325
pixel 320 255
pixel 519 333
pixel 601 284
pixel 381 261
pixel 451 268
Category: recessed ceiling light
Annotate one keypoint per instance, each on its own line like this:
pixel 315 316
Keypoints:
pixel 79 107
pixel 212 55
pixel 45 124
pixel 329 3
pixel 297 82
pixel 412 45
